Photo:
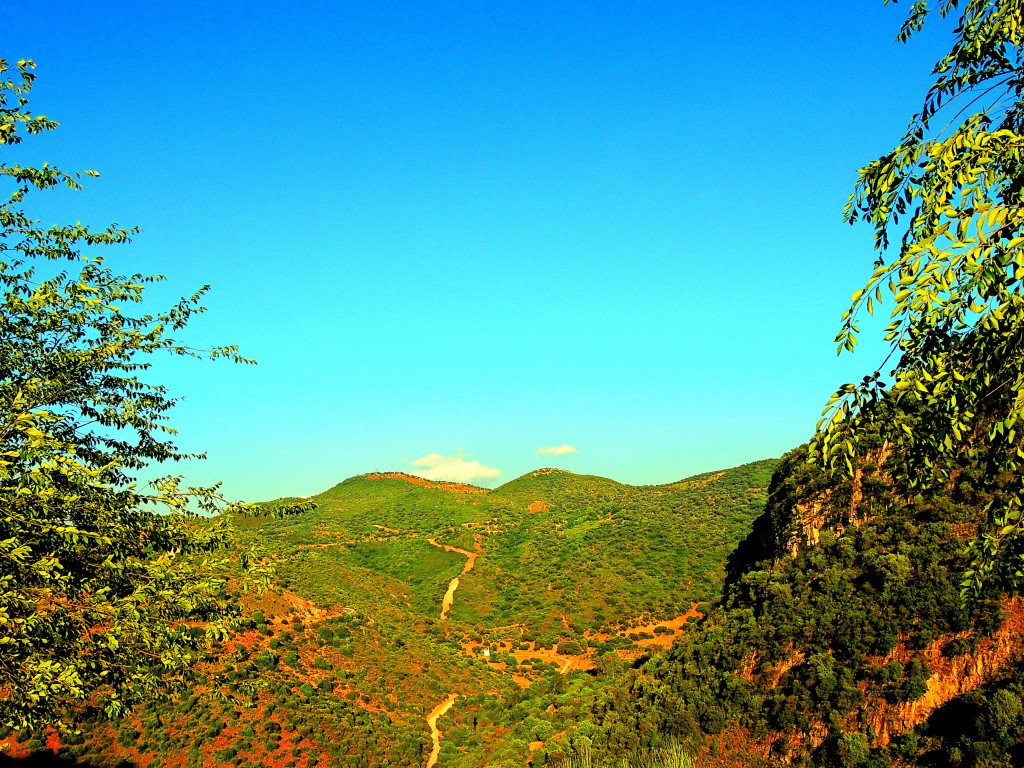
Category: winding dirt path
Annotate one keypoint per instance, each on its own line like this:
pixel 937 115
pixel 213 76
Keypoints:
pixel 449 596
pixel 435 734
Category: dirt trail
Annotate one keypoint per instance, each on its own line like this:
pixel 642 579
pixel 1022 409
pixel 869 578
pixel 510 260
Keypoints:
pixel 449 596
pixel 676 625
pixel 435 734
pixel 565 661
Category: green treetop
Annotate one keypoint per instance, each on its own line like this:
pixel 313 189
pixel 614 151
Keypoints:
pixel 946 207
pixel 102 584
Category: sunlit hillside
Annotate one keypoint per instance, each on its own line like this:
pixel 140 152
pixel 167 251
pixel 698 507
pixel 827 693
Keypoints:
pixel 396 593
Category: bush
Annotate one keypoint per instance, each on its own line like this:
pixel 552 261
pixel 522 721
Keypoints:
pixel 570 648
pixel 267 660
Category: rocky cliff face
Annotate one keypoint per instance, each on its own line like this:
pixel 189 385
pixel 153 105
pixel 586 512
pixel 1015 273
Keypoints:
pixel 882 721
pixel 803 506
pixel 803 502
pixel 951 677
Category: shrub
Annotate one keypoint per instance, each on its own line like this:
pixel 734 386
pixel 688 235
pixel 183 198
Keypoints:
pixel 570 648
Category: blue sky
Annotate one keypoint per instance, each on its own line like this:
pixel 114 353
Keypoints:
pixel 462 232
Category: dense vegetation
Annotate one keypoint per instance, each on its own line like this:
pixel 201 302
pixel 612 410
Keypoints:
pixel 340 664
pixel 850 651
pixel 870 615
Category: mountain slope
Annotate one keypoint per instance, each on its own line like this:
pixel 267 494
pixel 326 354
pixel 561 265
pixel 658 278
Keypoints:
pixel 603 552
pixel 557 583
pixel 841 639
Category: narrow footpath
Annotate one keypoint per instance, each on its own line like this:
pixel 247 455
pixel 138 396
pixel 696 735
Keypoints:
pixel 449 596
pixel 435 734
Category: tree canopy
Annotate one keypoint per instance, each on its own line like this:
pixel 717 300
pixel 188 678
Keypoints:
pixel 946 207
pixel 108 591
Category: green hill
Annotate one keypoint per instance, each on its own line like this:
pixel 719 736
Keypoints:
pixel 573 580
pixel 841 639
pixel 602 553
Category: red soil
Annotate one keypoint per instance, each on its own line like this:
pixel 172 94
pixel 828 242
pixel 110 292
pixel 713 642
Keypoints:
pixel 449 597
pixel 677 625
pixel 441 484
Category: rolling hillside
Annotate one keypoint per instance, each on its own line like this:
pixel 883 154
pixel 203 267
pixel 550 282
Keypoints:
pixel 563 583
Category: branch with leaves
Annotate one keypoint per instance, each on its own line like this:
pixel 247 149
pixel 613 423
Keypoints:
pixel 954 280
pixel 109 592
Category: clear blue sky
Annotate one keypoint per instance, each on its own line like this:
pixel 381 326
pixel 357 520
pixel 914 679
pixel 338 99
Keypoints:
pixel 480 229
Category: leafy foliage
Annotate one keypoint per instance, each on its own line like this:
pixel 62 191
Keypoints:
pixel 100 581
pixel 954 279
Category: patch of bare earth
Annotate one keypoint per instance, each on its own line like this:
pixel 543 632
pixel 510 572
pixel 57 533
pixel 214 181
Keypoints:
pixel 664 634
pixel 284 608
pixel 440 484
pixel 449 596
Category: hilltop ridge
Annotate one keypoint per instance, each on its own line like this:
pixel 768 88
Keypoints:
pixel 550 477
pixel 446 485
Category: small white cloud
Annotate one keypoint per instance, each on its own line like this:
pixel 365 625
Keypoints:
pixel 556 450
pixel 429 461
pixel 455 469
